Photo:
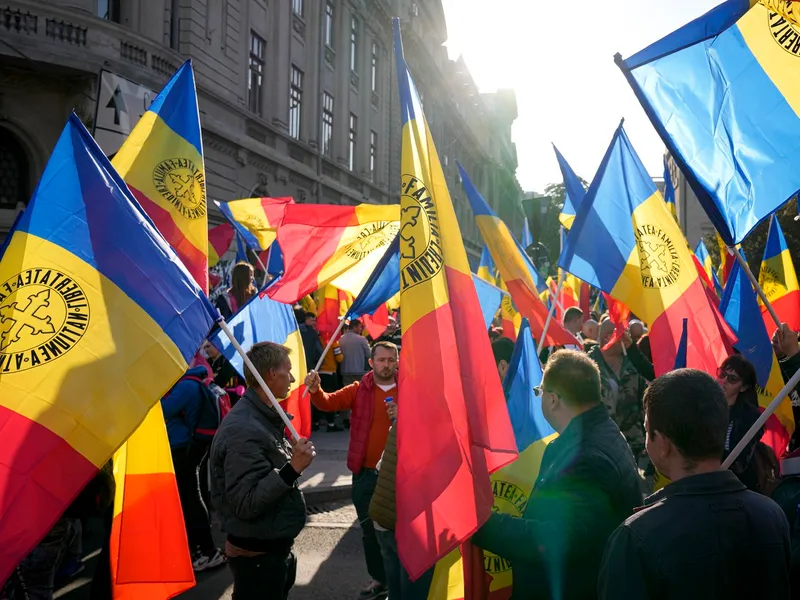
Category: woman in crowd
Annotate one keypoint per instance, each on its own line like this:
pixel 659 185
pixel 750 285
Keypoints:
pixel 242 289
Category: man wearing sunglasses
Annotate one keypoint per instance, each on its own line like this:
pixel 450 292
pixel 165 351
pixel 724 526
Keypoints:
pixel 587 486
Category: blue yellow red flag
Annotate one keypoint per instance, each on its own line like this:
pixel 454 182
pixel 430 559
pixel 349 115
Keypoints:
pixel 705 88
pixel 625 242
pixel 518 273
pixel 256 219
pixel 680 357
pixel 219 241
pixel 162 163
pixel 527 236
pixel 574 191
pixel 490 297
pixel 512 485
pixel 446 367
pixel 740 309
pixel 486 267
pixel 265 320
pixel 98 319
pixel 778 279
pixel 704 258
pixel 669 191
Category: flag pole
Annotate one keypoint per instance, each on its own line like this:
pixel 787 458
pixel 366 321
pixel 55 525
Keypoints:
pixel 756 286
pixel 550 313
pixel 773 406
pixel 325 352
pixel 263 268
pixel 282 413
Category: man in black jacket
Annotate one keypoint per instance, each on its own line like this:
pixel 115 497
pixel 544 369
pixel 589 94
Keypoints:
pixel 704 535
pixel 587 486
pixel 254 473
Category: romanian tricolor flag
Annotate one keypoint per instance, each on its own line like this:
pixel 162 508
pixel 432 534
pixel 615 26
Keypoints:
pixel 741 311
pixel 162 163
pixel 518 273
pixel 329 310
pixel 486 267
pixel 574 191
pixel 265 320
pixel 512 486
pixel 446 367
pixel 778 279
pixel 98 319
pixel 510 318
pixel 150 557
pixel 324 244
pixel 669 191
pixel 726 260
pixel 722 93
pixel 625 242
pixel 219 241
pixel 704 258
pixel 256 219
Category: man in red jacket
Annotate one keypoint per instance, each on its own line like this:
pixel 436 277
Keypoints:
pixel 369 428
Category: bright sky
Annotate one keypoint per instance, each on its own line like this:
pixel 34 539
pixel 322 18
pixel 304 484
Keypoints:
pixel 559 58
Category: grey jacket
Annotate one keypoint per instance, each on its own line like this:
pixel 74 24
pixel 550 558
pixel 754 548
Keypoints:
pixel 252 498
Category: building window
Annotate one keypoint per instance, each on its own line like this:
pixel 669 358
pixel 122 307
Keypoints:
pixel 297 7
pixel 374 67
pixel 295 102
pixel 256 81
pixel 373 153
pixel 351 149
pixel 14 171
pixel 354 44
pixel 329 24
pixel 108 9
pixel 327 123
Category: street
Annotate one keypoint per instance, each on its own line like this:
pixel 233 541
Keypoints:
pixel 329 556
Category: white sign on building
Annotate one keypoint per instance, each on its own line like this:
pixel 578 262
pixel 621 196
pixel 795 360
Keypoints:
pixel 120 104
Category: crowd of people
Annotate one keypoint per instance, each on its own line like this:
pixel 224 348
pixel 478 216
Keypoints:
pixel 629 500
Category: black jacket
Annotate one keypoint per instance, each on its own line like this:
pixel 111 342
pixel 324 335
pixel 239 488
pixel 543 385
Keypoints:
pixel 255 502
pixel 705 536
pixel 587 486
pixel 312 345
pixel 742 416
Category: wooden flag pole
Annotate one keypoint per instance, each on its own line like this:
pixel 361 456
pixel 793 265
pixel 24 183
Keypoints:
pixel 282 413
pixel 773 406
pixel 756 286
pixel 327 348
pixel 550 313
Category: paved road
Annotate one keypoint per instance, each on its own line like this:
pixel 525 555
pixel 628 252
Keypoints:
pixel 330 562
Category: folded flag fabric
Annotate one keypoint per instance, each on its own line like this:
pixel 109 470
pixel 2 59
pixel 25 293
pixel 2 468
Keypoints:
pixel 265 320
pixel 741 311
pixel 162 163
pixel 574 191
pixel 680 357
pixel 704 258
pixel 98 319
pixel 446 366
pixel 219 241
pixel 645 261
pixel 340 245
pixel 520 277
pixel 490 297
pixel 669 191
pixel 727 81
pixel 256 219
pixel 778 279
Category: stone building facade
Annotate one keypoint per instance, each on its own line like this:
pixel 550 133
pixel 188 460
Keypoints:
pixel 297 97
pixel 693 220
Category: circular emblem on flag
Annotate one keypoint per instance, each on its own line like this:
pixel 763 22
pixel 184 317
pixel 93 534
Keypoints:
pixel 510 500
pixel 771 282
pixel 658 258
pixel 372 237
pixel 421 256
pixel 183 185
pixel 43 314
pixel 508 305
pixel 784 24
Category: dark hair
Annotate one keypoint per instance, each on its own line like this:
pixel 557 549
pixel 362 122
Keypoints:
pixel 354 323
pixel 242 288
pixel 744 369
pixel 384 344
pixel 688 406
pixel 265 356
pixel 572 313
pixel 309 315
pixel 644 347
pixel 503 349
pixel 574 377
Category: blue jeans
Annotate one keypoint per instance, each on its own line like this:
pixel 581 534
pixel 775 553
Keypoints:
pixel 34 578
pixel 400 586
pixel 363 488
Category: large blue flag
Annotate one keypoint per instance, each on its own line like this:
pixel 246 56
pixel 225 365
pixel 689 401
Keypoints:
pixel 722 93
pixel 527 236
pixel 489 296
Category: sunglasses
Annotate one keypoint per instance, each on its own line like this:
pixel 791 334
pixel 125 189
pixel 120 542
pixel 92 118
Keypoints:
pixel 728 376
pixel 539 391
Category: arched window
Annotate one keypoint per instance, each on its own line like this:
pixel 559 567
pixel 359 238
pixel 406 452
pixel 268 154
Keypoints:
pixel 14 171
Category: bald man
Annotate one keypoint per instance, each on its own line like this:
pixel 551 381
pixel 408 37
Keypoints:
pixel 590 330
